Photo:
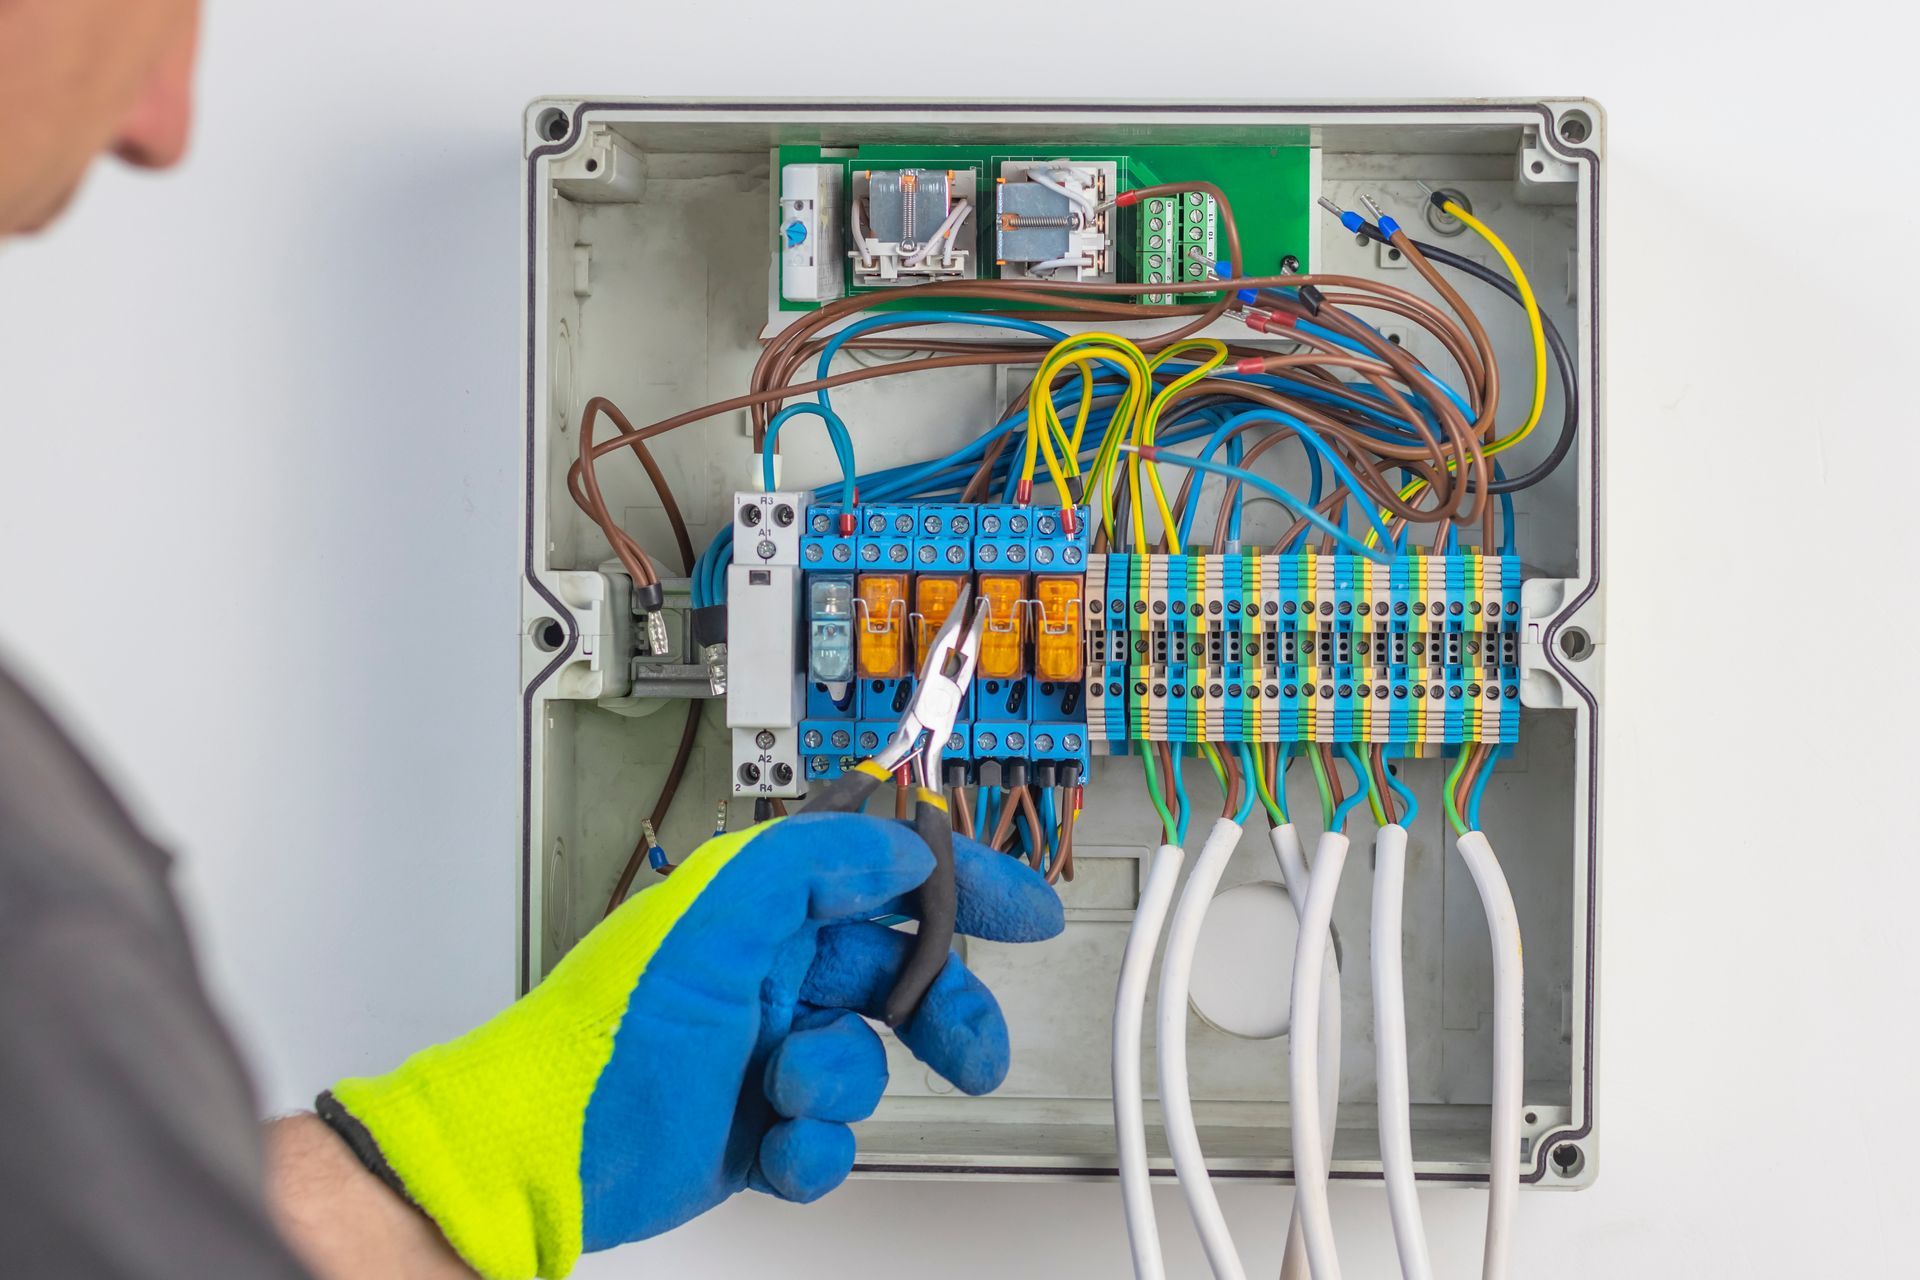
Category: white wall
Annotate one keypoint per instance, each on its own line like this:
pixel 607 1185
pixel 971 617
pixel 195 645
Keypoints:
pixel 256 531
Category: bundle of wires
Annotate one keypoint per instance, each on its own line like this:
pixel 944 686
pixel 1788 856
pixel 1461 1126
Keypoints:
pixel 1103 413
pixel 1028 820
pixel 1398 454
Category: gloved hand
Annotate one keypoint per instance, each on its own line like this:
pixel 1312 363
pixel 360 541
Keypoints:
pixel 705 1038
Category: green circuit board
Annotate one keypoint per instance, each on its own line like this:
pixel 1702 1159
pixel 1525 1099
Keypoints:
pixel 1270 190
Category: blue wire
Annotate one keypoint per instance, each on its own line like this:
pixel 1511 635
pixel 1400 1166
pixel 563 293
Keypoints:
pixel 1047 822
pixel 896 318
pixel 1246 774
pixel 1472 814
pixel 980 811
pixel 1506 513
pixel 992 818
pixel 1383 554
pixel 842 445
pixel 1407 798
pixel 1235 451
pixel 1360 790
pixel 1314 444
pixel 1180 794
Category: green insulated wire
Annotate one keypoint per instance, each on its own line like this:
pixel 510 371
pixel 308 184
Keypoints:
pixel 1446 793
pixel 1326 790
pixel 1219 770
pixel 1276 813
pixel 1373 802
pixel 1153 794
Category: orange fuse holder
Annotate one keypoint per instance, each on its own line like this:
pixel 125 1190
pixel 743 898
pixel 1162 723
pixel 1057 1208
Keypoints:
pixel 1003 642
pixel 934 598
pixel 881 633
pixel 1057 651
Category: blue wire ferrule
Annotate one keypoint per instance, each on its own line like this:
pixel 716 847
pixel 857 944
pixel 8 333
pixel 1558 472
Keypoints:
pixel 1352 221
pixel 1247 297
pixel 1388 226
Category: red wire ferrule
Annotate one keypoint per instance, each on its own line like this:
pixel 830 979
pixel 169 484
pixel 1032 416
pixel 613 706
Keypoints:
pixel 1252 364
pixel 847 525
pixel 1126 198
pixel 1023 492
pixel 1070 521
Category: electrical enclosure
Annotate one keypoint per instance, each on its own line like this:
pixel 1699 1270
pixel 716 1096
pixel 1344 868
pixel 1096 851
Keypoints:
pixel 653 259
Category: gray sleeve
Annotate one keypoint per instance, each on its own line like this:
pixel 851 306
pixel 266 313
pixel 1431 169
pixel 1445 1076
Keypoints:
pixel 130 1146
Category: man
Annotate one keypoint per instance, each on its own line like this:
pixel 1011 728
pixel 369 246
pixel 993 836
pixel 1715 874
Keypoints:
pixel 708 1038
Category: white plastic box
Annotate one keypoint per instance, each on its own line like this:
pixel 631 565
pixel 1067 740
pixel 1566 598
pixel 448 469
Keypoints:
pixel 649 256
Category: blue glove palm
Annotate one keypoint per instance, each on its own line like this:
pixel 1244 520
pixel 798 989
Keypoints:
pixel 709 1037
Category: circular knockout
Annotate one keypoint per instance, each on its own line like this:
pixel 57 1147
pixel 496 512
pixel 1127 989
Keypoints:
pixel 1243 967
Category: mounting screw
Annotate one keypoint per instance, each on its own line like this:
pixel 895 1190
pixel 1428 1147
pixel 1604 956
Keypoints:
pixel 764 739
pixel 750 515
pixel 749 774
pixel 783 515
pixel 782 774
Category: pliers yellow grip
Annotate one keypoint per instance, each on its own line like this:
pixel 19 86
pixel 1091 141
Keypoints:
pixel 919 742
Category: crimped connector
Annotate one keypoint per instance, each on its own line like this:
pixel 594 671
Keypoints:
pixel 658 643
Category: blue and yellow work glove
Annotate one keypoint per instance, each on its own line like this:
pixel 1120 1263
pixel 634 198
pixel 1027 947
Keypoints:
pixel 707 1037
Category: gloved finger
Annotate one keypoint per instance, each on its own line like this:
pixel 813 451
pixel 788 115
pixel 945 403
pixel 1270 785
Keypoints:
pixel 746 899
pixel 802 1160
pixel 958 1029
pixel 1002 899
pixel 835 1069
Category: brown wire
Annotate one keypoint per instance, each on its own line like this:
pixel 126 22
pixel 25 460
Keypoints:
pixel 1036 834
pixel 690 727
pixel 668 789
pixel 1070 818
pixel 1003 829
pixel 1378 757
pixel 584 484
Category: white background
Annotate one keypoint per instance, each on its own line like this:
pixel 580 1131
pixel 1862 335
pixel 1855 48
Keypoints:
pixel 257 504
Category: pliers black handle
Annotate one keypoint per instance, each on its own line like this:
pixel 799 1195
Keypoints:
pixel 938 896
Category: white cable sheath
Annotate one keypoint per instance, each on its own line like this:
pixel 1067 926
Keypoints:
pixel 1129 1014
pixel 1077 195
pixel 1310 1157
pixel 1176 1104
pixel 1390 1053
pixel 1503 923
pixel 1293 870
pixel 945 231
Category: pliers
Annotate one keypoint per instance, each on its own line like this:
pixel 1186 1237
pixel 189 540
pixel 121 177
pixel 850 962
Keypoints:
pixel 919 741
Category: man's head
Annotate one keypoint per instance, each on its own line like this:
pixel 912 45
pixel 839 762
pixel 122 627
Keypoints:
pixel 79 77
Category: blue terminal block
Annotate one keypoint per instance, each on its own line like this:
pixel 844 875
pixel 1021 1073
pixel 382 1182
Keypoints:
pixel 1003 539
pixel 823 546
pixel 943 538
pixel 1053 549
pixel 886 536
pixel 998 743
pixel 1063 745
pixel 826 748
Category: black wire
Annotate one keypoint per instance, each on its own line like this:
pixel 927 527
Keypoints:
pixel 1569 380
